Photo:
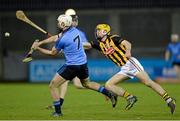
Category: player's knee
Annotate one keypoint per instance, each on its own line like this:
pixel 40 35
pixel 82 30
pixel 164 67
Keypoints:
pixel 108 85
pixel 51 85
pixel 78 85
pixel 85 84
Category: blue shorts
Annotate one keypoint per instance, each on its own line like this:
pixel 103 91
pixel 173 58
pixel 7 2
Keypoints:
pixel 69 72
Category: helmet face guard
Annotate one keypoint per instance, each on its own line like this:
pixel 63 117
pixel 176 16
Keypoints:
pixel 99 34
pixel 96 36
pixel 74 20
pixel 102 30
pixel 74 17
pixel 64 21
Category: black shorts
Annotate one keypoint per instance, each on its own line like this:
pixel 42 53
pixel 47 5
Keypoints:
pixel 69 72
pixel 176 63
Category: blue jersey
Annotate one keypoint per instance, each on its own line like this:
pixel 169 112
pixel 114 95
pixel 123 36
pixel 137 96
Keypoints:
pixel 83 36
pixel 71 43
pixel 174 49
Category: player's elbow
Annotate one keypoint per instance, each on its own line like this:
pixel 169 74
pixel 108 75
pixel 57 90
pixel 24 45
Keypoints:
pixel 126 43
pixel 108 86
pixel 87 45
pixel 53 53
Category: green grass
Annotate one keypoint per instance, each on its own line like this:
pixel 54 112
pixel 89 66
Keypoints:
pixel 28 101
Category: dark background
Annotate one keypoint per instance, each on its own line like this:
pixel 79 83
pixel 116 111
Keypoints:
pixel 147 24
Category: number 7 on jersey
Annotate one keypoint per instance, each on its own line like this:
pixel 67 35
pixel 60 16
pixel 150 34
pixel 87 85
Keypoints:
pixel 78 41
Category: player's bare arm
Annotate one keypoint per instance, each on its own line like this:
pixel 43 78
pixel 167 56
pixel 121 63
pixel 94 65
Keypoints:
pixel 48 40
pixel 51 52
pixel 167 55
pixel 87 45
pixel 128 48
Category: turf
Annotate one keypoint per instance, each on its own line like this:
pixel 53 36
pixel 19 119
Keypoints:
pixel 28 101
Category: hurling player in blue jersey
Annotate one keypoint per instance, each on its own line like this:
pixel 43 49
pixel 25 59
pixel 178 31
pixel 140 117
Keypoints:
pixel 76 80
pixel 172 58
pixel 76 61
pixel 172 54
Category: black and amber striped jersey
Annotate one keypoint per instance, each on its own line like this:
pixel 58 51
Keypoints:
pixel 112 49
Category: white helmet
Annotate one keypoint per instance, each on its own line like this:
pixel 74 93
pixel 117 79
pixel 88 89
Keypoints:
pixel 70 12
pixel 64 21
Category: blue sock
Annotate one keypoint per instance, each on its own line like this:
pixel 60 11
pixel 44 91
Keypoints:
pixel 104 91
pixel 57 107
pixel 61 100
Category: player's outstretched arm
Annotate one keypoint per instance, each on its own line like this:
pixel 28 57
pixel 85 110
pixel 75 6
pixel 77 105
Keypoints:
pixel 48 40
pixel 87 45
pixel 51 52
pixel 128 48
pixel 167 55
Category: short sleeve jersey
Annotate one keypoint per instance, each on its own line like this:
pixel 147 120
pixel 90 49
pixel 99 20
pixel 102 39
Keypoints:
pixel 112 48
pixel 83 35
pixel 71 43
pixel 174 49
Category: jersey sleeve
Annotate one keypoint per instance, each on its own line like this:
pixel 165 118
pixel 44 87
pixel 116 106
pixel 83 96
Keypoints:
pixel 95 45
pixel 59 44
pixel 168 48
pixel 83 36
pixel 117 39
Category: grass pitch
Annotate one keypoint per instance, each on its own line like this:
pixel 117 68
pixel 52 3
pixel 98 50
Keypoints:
pixel 28 101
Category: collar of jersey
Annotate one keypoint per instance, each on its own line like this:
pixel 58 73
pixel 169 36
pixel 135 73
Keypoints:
pixel 67 30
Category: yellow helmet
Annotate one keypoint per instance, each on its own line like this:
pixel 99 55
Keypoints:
pixel 104 27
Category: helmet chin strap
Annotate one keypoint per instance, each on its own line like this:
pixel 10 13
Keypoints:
pixel 103 38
